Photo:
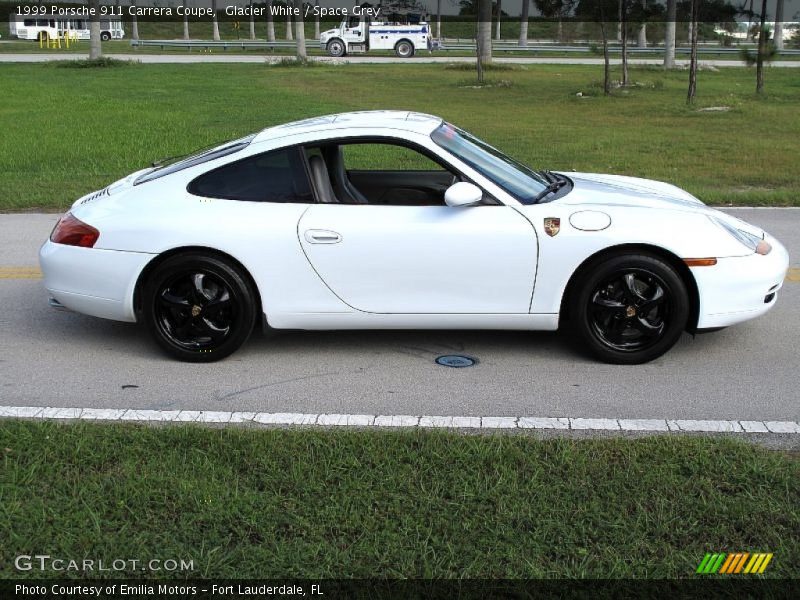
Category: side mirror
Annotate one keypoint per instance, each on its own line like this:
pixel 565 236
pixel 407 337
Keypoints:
pixel 463 194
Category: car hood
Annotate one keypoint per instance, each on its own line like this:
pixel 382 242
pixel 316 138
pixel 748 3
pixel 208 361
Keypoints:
pixel 618 190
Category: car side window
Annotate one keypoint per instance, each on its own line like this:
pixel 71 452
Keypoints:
pixel 276 176
pixel 385 157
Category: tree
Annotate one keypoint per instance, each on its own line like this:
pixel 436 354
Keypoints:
pixel 300 32
pixel 439 19
pixel 499 15
pixel 484 35
pixel 669 34
pixel 214 20
pixel 316 21
pixel 762 49
pixel 270 23
pixel 523 22
pixel 695 7
pixel 95 50
pixel 604 34
pixel 556 9
pixel 252 22
pixel 624 25
pixel 185 20
pixel 777 36
pixel 643 28
pixel 134 23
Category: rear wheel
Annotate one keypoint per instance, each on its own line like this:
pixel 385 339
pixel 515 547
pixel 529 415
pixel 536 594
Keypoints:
pixel 105 36
pixel 630 309
pixel 404 49
pixel 199 308
pixel 336 48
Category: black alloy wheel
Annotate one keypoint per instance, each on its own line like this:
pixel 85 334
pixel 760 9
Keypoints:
pixel 199 308
pixel 630 309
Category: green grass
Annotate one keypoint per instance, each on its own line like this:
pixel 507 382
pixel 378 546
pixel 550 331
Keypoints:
pixel 326 504
pixel 69 131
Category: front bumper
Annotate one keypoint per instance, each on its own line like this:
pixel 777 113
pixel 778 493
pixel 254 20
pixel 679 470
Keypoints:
pixel 740 288
pixel 92 281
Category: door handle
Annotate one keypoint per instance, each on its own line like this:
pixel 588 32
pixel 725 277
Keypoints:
pixel 322 236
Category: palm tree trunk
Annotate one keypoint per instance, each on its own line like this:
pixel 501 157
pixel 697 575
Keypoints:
pixel 270 23
pixel 252 22
pixel 300 32
pixel 215 22
pixel 95 50
pixel 439 19
pixel 289 27
pixel 185 20
pixel 523 22
pixel 777 36
pixel 499 13
pixel 624 43
pixel 669 34
pixel 134 23
pixel 485 31
pixel 316 21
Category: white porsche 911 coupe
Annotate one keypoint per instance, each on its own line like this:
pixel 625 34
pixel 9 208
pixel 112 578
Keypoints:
pixel 388 220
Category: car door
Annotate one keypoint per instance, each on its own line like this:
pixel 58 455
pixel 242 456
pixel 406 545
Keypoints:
pixel 406 258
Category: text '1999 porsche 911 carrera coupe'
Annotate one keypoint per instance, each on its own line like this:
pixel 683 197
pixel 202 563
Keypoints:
pixel 389 220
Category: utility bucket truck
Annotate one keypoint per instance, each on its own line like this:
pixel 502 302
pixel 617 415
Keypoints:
pixel 359 34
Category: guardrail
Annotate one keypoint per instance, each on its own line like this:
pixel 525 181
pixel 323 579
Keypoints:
pixel 449 46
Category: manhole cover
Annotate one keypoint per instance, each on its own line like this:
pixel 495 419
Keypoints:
pixel 454 360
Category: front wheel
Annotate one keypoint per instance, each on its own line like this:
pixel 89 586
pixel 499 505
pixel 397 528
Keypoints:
pixel 105 36
pixel 630 309
pixel 336 48
pixel 199 308
pixel 404 49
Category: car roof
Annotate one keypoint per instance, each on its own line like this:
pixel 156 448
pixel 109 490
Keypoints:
pixel 390 119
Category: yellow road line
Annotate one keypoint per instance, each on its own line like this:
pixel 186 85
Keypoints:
pixel 20 273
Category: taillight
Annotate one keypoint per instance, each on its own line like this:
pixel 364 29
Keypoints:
pixel 74 232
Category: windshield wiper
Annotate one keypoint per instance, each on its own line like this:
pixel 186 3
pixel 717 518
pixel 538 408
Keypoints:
pixel 552 187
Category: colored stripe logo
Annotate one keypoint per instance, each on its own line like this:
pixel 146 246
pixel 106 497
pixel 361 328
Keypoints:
pixel 734 563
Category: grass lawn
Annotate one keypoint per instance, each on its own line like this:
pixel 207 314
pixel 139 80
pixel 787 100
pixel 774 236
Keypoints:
pixel 69 131
pixel 327 504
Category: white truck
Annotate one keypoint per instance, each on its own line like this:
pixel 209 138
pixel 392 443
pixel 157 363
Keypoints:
pixel 359 34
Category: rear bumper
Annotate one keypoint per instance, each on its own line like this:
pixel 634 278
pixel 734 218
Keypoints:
pixel 92 281
pixel 737 289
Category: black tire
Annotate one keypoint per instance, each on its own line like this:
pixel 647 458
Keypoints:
pixel 105 36
pixel 629 309
pixel 336 48
pixel 199 308
pixel 404 49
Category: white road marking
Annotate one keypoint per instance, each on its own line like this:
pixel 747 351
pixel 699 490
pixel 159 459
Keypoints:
pixel 424 421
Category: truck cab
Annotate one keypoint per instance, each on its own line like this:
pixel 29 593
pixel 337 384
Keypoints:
pixel 360 34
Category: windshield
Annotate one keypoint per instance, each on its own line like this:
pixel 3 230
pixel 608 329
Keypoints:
pixel 515 178
pixel 196 159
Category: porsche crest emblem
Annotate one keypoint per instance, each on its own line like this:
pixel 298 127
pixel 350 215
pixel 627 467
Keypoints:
pixel 552 225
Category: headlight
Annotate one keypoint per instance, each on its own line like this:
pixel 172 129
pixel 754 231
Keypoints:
pixel 753 242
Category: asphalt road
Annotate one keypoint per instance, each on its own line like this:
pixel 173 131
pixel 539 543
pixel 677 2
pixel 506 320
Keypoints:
pixel 61 359
pixel 421 58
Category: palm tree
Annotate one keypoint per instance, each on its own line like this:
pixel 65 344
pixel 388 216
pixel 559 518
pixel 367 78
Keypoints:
pixel 523 22
pixel 777 35
pixel 669 34
pixel 762 48
pixel 214 18
pixel 185 20
pixel 300 32
pixel 316 21
pixel 95 50
pixel 695 7
pixel 483 35
pixel 499 14
pixel 134 23
pixel 270 23
pixel 252 22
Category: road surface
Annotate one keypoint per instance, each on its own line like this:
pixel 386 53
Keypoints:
pixel 61 359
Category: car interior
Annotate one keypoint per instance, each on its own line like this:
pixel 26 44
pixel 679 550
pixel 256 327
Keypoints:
pixel 336 182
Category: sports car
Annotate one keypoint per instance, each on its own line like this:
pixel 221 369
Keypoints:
pixel 400 220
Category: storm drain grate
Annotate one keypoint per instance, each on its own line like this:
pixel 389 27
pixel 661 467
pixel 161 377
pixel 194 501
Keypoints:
pixel 456 361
